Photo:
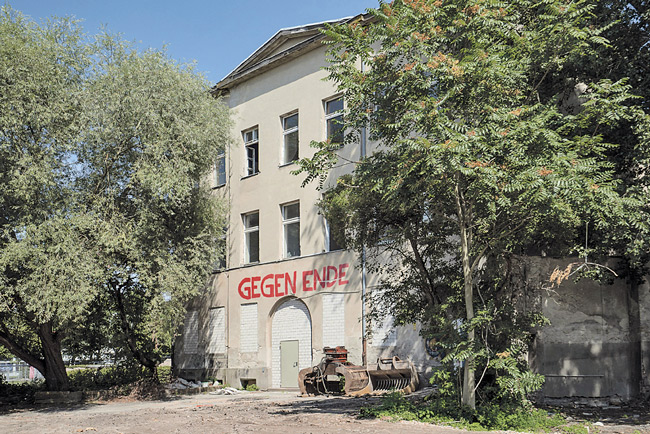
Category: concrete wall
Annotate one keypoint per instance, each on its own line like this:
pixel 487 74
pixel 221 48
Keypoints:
pixel 591 347
pixel 643 291
pixel 234 287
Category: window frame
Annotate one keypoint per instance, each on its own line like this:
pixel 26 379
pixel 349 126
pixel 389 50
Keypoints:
pixel 251 145
pixel 285 133
pixel 213 339
pixel 221 263
pixel 248 230
pixel 220 169
pixel 335 115
pixel 328 238
pixel 286 222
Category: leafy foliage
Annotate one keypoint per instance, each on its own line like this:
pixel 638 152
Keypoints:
pixel 485 148
pixel 108 225
pixel 447 411
pixel 46 270
pixel 151 139
pixel 112 377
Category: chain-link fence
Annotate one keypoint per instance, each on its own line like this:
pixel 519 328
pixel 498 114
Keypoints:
pixel 19 371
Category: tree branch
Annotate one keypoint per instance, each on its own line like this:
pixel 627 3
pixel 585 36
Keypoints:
pixel 431 296
pixel 19 351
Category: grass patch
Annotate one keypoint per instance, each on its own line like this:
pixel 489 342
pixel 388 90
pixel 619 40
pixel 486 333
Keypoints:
pixel 443 411
pixel 575 429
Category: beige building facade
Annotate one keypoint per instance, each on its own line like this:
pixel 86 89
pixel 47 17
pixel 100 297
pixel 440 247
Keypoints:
pixel 286 290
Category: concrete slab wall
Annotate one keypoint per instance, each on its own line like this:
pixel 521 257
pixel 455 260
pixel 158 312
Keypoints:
pixel 590 348
pixel 644 336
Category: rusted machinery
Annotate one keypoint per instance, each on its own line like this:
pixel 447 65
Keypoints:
pixel 334 374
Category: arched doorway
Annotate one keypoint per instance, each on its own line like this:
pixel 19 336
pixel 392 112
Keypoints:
pixel 290 342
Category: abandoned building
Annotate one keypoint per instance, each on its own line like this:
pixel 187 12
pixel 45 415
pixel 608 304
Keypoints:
pixel 287 290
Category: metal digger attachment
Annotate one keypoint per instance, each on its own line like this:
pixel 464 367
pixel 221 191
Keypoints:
pixel 334 374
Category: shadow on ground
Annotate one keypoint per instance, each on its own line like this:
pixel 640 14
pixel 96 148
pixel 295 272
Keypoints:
pixel 331 405
pixel 633 413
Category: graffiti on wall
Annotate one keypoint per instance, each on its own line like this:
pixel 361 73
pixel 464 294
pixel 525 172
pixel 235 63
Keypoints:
pixel 288 283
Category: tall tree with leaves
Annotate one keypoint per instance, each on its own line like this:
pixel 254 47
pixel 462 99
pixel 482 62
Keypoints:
pixel 626 26
pixel 105 208
pixel 152 135
pixel 476 159
pixel 46 270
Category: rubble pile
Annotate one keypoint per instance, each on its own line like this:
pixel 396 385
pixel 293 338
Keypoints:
pixel 182 383
pixel 226 391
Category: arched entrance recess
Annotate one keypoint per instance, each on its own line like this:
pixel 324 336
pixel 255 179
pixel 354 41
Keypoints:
pixel 290 342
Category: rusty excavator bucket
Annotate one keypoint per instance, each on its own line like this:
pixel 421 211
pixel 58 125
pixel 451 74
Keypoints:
pixel 334 374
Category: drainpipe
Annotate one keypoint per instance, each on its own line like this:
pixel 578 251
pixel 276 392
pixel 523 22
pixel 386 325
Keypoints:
pixel 364 360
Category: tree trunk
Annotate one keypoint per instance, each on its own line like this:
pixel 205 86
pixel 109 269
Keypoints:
pixel 51 364
pixel 56 377
pixel 142 358
pixel 468 396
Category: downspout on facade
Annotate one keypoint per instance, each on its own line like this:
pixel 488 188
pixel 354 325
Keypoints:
pixel 363 260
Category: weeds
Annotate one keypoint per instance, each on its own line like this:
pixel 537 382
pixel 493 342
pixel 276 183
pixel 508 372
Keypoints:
pixel 446 411
pixel 120 377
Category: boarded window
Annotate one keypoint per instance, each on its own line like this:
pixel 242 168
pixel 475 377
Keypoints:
pixel 383 332
pixel 248 328
pixel 191 333
pixel 217 331
pixel 333 320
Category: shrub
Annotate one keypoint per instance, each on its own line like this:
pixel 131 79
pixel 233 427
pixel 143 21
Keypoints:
pixel 443 410
pixel 114 376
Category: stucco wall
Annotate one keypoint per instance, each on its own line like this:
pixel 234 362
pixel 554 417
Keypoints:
pixel 589 348
pixel 644 336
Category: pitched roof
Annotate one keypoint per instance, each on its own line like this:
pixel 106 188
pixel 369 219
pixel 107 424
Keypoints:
pixel 280 49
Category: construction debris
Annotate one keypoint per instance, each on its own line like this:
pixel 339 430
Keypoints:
pixel 226 391
pixel 182 383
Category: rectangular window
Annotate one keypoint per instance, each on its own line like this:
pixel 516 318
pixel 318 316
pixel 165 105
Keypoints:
pixel 217 330
pixel 251 237
pixel 334 118
pixel 221 251
pixel 191 332
pixel 290 139
pixel 251 143
pixel 291 229
pixel 333 320
pixel 333 235
pixel 248 328
pixel 220 170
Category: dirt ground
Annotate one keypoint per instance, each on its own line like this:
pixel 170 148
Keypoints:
pixel 246 412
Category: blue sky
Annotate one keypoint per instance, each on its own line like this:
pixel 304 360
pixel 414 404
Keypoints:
pixel 217 34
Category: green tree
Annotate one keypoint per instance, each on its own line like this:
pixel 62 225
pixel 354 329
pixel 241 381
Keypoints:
pixel 107 216
pixel 483 151
pixel 152 133
pixel 45 265
pixel 626 26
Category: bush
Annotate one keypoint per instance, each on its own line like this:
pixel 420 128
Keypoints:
pixel 164 374
pixel 19 392
pixel 114 376
pixel 442 410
